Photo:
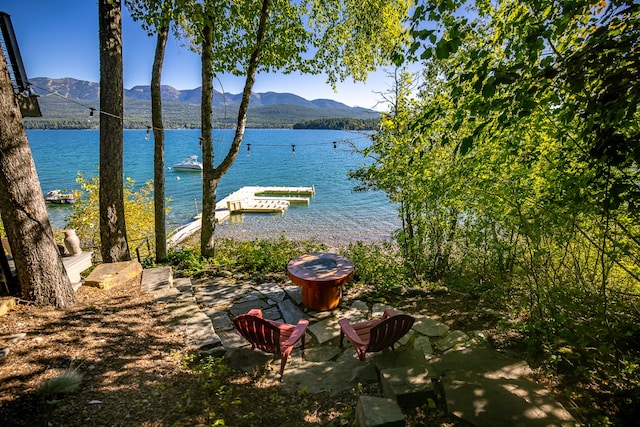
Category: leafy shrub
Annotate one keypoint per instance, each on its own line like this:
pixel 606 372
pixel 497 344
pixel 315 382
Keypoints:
pixel 139 213
pixel 188 260
pixel 376 264
pixel 261 255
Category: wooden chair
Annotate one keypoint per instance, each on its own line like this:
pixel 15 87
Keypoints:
pixel 270 336
pixel 375 335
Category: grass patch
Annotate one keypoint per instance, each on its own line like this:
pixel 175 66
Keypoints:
pixel 66 382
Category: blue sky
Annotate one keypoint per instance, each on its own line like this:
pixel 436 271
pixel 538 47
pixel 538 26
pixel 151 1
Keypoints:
pixel 60 39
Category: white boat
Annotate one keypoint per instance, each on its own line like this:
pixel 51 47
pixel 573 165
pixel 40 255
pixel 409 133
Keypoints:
pixel 58 197
pixel 191 163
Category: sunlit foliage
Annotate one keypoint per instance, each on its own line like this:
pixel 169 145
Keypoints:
pixel 138 213
pixel 516 169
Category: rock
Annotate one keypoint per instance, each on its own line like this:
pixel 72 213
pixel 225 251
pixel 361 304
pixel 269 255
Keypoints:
pixel 374 411
pixel 247 360
pixel 364 374
pixel 378 309
pixel 360 306
pixel 290 312
pixel 454 339
pixel 156 280
pixel 429 327
pixel 423 344
pixel 325 330
pixel 272 313
pixel 109 275
pixel 294 292
pixel 6 304
pixel 321 354
pixel 410 387
pixel 244 307
pixel 220 320
pixel 272 291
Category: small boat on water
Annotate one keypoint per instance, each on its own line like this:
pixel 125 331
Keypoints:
pixel 191 163
pixel 57 197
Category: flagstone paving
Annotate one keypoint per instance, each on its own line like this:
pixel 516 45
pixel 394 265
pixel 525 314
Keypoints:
pixel 482 386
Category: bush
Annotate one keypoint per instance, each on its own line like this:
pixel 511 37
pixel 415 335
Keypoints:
pixel 139 214
pixel 188 260
pixel 376 264
pixel 260 256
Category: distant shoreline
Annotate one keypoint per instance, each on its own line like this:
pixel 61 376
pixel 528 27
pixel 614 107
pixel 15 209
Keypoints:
pixel 335 123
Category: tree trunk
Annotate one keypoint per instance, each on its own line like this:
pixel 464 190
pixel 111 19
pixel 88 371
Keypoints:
pixel 158 138
pixel 213 179
pixel 209 185
pixel 41 274
pixel 113 232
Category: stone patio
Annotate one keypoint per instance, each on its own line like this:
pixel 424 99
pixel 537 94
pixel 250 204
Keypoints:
pixel 482 386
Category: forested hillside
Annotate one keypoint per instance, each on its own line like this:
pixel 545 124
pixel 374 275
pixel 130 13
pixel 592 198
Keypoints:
pixel 338 123
pixel 67 103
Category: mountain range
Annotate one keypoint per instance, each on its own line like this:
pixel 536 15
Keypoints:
pixel 66 103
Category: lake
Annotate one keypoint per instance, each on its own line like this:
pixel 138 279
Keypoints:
pixel 268 157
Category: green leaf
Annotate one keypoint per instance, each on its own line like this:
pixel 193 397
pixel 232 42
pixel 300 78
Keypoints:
pixel 466 145
pixel 466 77
pixel 454 44
pixel 442 49
pixel 426 54
pixel 489 89
pixel 424 34
pixel 477 86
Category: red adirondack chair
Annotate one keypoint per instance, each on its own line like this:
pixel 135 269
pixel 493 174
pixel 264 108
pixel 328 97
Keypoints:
pixel 271 336
pixel 375 335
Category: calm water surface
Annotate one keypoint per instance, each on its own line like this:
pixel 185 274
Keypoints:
pixel 336 214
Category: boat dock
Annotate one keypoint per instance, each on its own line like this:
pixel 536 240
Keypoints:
pixel 250 199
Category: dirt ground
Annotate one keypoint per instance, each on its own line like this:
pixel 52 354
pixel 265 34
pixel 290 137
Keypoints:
pixel 133 369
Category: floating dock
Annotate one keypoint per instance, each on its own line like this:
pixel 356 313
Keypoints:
pixel 251 199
